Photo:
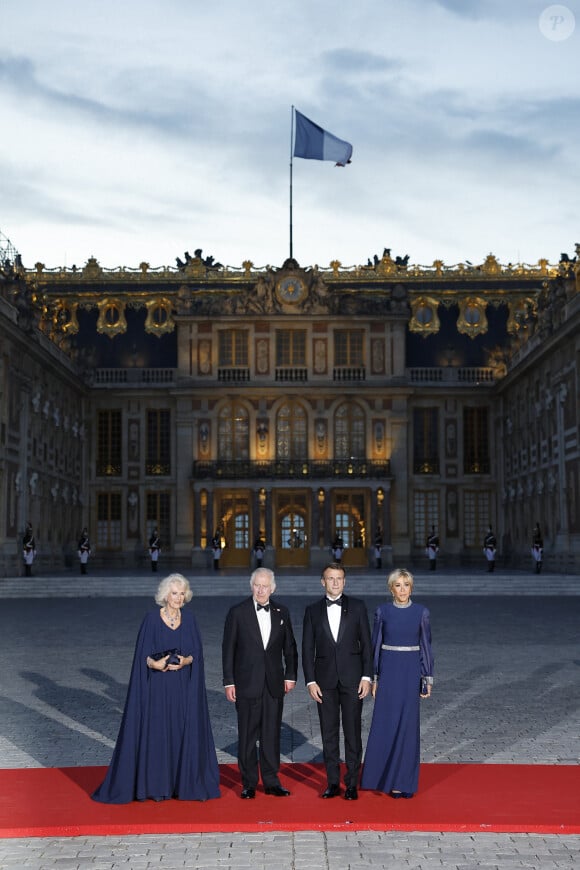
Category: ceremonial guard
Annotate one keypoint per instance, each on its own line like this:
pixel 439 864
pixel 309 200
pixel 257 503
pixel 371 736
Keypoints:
pixel 378 545
pixel 84 550
pixel 28 550
pixel 216 547
pixel 154 549
pixel 432 548
pixel 337 549
pixel 490 549
pixel 259 550
pixel 537 548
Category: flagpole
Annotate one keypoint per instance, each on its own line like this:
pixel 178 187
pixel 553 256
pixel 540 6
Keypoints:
pixel 291 166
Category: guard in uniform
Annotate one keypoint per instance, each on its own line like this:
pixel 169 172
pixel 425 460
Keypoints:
pixel 28 550
pixel 84 550
pixel 432 548
pixel 154 549
pixel 537 548
pixel 490 549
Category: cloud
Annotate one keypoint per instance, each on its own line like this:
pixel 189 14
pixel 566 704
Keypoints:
pixel 21 78
pixel 507 147
pixel 352 61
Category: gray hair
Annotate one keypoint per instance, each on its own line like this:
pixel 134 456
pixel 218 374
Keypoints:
pixel 263 572
pixel 165 585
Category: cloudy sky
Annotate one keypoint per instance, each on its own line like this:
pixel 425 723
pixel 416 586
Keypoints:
pixel 138 129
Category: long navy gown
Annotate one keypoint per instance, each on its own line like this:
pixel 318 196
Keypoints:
pixel 392 753
pixel 165 746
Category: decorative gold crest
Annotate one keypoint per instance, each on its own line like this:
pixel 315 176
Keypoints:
pixel 112 319
pixel 424 317
pixel 65 316
pixel 472 318
pixel 159 320
pixel 521 313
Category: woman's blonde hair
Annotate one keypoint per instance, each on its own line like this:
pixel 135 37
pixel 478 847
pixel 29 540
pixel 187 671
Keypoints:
pixel 399 574
pixel 165 585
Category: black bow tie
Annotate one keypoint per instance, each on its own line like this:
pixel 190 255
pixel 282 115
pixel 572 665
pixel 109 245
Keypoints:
pixel 265 607
pixel 329 602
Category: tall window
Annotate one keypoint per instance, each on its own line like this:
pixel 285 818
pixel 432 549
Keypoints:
pixel 291 432
pixel 235 520
pixel 476 517
pixel 158 442
pixel 290 347
pixel 475 441
pixel 425 515
pixel 233 347
pixel 158 516
pixel 109 444
pixel 109 520
pixel 348 347
pixel 349 519
pixel 426 440
pixel 349 432
pixel 233 432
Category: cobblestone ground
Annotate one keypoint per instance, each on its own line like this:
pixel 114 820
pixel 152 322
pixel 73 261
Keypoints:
pixel 507 691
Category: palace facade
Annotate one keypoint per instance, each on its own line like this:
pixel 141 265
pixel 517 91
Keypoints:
pixel 293 405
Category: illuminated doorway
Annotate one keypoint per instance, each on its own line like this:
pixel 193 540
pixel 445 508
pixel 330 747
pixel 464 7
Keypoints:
pixel 350 523
pixel 292 529
pixel 233 526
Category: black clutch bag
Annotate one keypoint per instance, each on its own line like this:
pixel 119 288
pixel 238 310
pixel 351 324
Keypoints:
pixel 423 686
pixel 172 653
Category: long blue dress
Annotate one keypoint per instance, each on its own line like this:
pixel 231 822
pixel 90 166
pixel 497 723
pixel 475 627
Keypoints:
pixel 165 746
pixel 392 753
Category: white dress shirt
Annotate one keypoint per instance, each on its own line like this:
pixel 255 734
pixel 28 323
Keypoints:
pixel 334 612
pixel 265 623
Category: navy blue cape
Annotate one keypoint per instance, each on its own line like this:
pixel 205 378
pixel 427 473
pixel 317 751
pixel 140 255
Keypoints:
pixel 165 748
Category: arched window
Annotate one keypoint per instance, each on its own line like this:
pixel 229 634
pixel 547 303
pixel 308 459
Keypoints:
pixel 291 432
pixel 349 432
pixel 233 432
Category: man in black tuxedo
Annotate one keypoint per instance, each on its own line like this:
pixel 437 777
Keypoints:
pixel 337 663
pixel 260 665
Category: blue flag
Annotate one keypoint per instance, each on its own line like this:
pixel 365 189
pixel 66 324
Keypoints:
pixel 314 143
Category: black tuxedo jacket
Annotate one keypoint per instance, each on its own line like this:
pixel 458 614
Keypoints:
pixel 329 662
pixel 246 664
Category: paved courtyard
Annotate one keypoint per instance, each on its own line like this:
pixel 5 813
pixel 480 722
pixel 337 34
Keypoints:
pixel 507 691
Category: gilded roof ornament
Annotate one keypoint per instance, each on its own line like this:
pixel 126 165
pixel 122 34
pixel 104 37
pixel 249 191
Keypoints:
pixel 424 318
pixel 472 320
pixel 112 319
pixel 159 320
pixel 92 271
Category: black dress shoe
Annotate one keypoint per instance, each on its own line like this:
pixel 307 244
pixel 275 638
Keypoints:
pixel 277 791
pixel 248 793
pixel 351 794
pixel 331 791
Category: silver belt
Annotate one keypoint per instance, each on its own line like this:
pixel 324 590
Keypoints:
pixel 400 648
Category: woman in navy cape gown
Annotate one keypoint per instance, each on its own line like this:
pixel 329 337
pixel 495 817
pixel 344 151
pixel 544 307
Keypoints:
pixel 165 747
pixel 403 666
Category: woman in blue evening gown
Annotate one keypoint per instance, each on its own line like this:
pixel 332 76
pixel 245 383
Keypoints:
pixel 403 666
pixel 165 747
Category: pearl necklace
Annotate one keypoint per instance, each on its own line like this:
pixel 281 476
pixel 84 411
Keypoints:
pixel 402 606
pixel 172 619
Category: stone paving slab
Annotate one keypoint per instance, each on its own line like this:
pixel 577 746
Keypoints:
pixel 356 850
pixel 507 691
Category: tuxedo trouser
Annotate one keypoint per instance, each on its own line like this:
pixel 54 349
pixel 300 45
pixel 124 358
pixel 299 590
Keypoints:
pixel 342 701
pixel 259 719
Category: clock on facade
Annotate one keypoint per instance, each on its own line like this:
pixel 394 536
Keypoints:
pixel 291 289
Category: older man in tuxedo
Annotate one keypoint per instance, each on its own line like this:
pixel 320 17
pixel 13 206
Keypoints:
pixel 260 664
pixel 337 663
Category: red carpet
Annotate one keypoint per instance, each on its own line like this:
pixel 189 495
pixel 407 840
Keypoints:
pixel 452 797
